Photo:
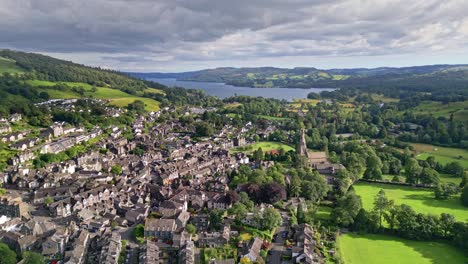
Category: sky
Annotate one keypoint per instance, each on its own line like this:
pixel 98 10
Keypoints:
pixel 184 35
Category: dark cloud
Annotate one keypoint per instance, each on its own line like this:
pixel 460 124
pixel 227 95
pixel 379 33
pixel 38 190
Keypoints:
pixel 146 34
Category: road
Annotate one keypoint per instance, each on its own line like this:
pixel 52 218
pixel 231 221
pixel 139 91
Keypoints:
pixel 274 255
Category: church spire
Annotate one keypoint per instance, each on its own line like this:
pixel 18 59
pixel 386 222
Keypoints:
pixel 302 146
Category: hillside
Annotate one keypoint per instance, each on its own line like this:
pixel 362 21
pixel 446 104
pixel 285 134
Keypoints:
pixel 425 78
pixel 28 78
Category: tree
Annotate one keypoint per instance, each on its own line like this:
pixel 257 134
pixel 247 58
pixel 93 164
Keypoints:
pixel 117 169
pixel 412 171
pixel 271 219
pixel 48 200
pixel 454 168
pixel 216 219
pixel 446 223
pixel 429 176
pixel 347 208
pixel 137 106
pixel 464 196
pixel 464 181
pixel 443 191
pixel 203 129
pixel 191 229
pixel 381 205
pixel 295 186
pixel 139 231
pixel 258 155
pixel 32 258
pixel 8 256
pixel 365 221
pixel 274 192
pixel 232 197
pixel 374 168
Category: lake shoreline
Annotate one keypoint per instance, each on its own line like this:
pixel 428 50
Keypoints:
pixel 223 90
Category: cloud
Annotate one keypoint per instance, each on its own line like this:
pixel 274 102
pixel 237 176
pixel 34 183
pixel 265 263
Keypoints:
pixel 187 34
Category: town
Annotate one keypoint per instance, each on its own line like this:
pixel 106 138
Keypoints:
pixel 157 198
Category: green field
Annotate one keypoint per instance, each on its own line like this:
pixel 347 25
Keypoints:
pixel 69 84
pixel 272 118
pixel 444 178
pixel 437 109
pixel 441 154
pixel 117 97
pixel 383 249
pixel 265 145
pixel 7 65
pixel 421 200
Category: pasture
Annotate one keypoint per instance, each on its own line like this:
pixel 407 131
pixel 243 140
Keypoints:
pixel 421 200
pixel 384 249
pixel 116 97
pixel 441 154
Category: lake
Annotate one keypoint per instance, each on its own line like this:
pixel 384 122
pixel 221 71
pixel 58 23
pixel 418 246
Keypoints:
pixel 222 90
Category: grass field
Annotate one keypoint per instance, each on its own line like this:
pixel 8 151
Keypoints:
pixel 265 145
pixel 272 118
pixel 381 98
pixel 7 65
pixel 444 178
pixel 117 97
pixel 69 84
pixel 441 154
pixel 382 249
pixel 421 200
pixel 458 109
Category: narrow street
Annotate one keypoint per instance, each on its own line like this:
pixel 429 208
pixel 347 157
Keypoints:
pixel 274 255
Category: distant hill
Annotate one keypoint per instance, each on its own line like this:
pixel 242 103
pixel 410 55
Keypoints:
pixel 410 77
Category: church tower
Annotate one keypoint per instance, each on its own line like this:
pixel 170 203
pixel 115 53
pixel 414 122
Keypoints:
pixel 302 146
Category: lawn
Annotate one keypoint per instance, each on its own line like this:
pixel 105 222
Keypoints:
pixel 383 249
pixel 7 65
pixel 265 145
pixel 421 200
pixel 441 154
pixel 437 109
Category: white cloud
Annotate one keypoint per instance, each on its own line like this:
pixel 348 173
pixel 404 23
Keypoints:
pixel 178 34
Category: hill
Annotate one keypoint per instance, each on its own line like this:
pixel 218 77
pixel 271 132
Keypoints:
pixel 437 80
pixel 42 77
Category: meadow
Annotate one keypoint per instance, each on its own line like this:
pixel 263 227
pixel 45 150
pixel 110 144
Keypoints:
pixel 116 97
pixel 444 178
pixel 441 154
pixel 383 249
pixel 265 145
pixel 421 200
pixel 7 65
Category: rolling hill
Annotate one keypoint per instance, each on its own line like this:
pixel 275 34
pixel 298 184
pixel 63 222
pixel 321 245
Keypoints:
pixel 410 77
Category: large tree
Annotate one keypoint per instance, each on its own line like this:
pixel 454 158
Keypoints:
pixel 381 205
pixel 271 219
pixel 374 168
pixel 347 208
pixel 412 171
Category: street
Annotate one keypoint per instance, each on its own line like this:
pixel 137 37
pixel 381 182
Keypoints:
pixel 274 256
